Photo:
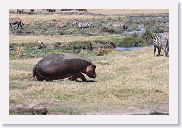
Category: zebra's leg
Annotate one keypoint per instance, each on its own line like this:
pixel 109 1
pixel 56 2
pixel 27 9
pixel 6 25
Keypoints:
pixel 159 50
pixel 10 25
pixel 154 50
pixel 166 51
pixel 17 26
pixel 21 26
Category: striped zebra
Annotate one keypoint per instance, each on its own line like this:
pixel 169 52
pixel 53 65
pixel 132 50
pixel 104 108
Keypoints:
pixel 161 42
pixel 84 10
pixel 82 24
pixel 31 11
pixel 20 11
pixel 51 10
pixel 16 21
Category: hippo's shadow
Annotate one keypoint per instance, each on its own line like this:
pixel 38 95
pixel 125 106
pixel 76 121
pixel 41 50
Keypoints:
pixel 70 80
pixel 159 55
pixel 162 55
pixel 86 81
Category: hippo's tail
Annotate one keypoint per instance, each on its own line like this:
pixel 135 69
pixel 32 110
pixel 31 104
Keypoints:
pixel 34 71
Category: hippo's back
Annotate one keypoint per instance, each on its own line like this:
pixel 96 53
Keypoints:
pixel 69 59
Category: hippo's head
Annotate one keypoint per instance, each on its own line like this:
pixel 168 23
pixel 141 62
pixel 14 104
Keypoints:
pixel 90 71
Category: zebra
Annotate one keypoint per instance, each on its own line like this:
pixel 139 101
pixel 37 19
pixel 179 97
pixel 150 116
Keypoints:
pixel 51 10
pixel 66 9
pixel 31 11
pixel 161 42
pixel 84 10
pixel 125 27
pixel 82 24
pixel 16 21
pixel 20 11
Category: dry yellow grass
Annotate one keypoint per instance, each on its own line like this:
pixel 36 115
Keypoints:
pixel 127 11
pixel 28 19
pixel 124 79
pixel 51 39
pixel 131 79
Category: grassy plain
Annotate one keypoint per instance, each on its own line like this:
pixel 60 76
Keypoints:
pixel 47 39
pixel 125 80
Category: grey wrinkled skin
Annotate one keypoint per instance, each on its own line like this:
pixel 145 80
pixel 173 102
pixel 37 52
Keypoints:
pixel 60 66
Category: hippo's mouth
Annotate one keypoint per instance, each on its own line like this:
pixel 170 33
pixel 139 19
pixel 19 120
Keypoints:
pixel 94 76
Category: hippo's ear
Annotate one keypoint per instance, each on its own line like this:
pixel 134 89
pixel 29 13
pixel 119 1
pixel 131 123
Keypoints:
pixel 94 66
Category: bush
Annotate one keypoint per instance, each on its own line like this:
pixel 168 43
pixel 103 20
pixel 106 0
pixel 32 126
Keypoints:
pixel 102 51
pixel 132 41
pixel 110 29
pixel 148 37
pixel 117 40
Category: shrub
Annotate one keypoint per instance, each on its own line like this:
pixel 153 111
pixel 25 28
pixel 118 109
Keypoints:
pixel 102 51
pixel 132 41
pixel 110 29
pixel 148 36
pixel 117 40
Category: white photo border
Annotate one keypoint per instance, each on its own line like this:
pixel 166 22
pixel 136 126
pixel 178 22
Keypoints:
pixel 172 118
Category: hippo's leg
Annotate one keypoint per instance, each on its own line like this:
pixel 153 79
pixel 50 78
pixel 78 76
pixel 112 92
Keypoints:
pixel 49 80
pixel 72 78
pixel 78 75
pixel 39 78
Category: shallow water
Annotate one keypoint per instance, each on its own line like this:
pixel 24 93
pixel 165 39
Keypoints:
pixel 131 48
pixel 141 29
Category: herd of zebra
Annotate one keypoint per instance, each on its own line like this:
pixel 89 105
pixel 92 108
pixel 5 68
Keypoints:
pixel 31 11
pixel 81 24
pixel 160 40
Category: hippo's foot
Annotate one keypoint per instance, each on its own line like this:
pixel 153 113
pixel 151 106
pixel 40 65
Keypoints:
pixel 75 79
pixel 49 80
pixel 78 75
pixel 71 78
pixel 39 78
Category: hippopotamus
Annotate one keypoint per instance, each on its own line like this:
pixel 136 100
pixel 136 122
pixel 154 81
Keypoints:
pixel 60 66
